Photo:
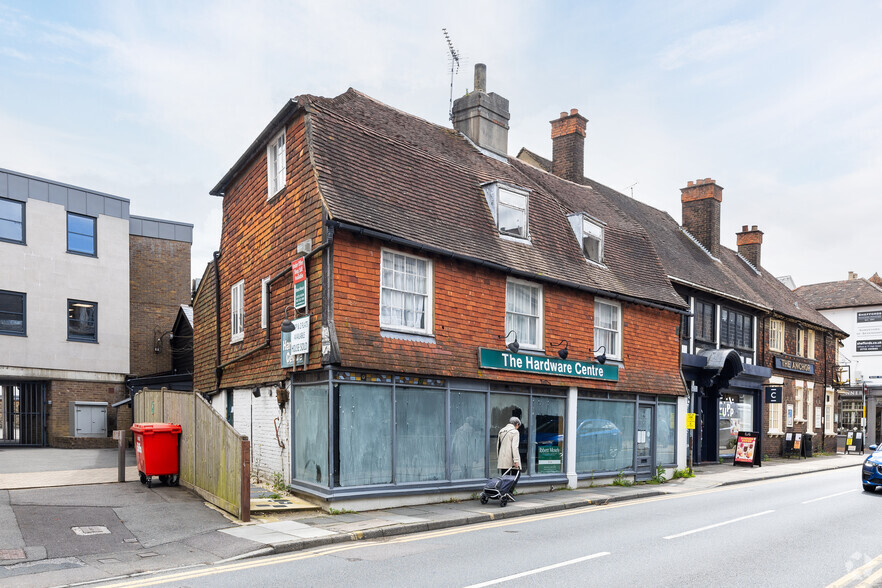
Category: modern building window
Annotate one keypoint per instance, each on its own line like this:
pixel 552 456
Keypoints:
pixel 81 234
pixel 736 330
pixel 237 311
pixel 12 221
pixel 275 165
pixel 705 322
pixel 776 335
pixel 82 321
pixel 264 302
pixel 592 240
pixel 512 213
pixel 523 313
pixel 776 416
pixel 608 328
pixel 13 313
pixel 405 293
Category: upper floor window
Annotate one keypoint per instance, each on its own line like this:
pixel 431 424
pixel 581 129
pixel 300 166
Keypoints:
pixel 264 296
pixel 12 214
pixel 511 214
pixel 81 234
pixel 82 321
pixel 589 234
pixel 275 165
pixel 736 329
pixel 523 313
pixel 608 327
pixel 237 311
pixel 13 307
pixel 810 344
pixel 776 335
pixel 405 293
pixel 705 322
pixel 800 341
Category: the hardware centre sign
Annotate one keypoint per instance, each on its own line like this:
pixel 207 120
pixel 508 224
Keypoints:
pixel 549 366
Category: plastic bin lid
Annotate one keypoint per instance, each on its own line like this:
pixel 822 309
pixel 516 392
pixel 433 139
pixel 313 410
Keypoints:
pixel 150 428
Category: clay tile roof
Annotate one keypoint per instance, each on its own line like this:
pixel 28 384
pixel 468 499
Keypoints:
pixel 391 172
pixel 843 294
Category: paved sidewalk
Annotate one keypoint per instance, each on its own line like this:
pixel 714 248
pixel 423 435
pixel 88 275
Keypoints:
pixel 297 531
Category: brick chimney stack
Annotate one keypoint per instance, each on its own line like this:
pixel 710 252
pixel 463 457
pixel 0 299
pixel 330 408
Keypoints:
pixel 750 244
pixel 568 151
pixel 701 201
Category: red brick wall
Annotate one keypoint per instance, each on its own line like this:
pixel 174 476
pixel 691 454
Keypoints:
pixel 258 240
pixel 470 313
pixel 159 274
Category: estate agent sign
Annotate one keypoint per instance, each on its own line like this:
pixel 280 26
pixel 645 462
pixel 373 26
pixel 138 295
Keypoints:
pixel 549 366
pixel 296 342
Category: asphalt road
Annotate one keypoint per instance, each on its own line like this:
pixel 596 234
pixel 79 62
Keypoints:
pixel 809 530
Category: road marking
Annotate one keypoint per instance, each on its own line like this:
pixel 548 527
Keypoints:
pixel 539 570
pixel 683 534
pixel 861 573
pixel 826 497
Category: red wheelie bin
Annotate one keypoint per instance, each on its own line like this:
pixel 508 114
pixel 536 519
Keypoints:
pixel 156 449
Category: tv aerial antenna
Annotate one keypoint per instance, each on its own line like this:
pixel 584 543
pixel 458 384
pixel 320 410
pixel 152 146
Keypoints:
pixel 631 187
pixel 454 66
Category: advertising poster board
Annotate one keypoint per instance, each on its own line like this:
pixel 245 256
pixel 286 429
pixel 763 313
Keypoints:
pixel 549 459
pixel 747 449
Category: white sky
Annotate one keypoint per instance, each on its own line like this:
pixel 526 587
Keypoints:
pixel 780 102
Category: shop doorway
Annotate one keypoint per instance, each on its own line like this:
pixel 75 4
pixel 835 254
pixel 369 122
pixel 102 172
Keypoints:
pixel 644 456
pixel 23 414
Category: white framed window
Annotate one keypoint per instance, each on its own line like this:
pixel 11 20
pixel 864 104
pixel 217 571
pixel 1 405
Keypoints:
pixel 237 311
pixel 776 417
pixel 798 400
pixel 828 412
pixel 523 313
pixel 810 344
pixel 776 335
pixel 275 165
pixel 264 302
pixel 608 327
pixel 405 293
pixel 592 240
pixel 512 213
pixel 800 342
pixel 809 408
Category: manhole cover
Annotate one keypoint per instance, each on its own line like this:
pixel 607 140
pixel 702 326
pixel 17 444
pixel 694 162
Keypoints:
pixel 97 530
pixel 12 554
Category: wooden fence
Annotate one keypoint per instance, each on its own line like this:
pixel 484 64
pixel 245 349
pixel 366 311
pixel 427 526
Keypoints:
pixel 215 460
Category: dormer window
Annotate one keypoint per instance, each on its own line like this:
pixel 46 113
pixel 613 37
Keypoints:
pixel 589 233
pixel 511 216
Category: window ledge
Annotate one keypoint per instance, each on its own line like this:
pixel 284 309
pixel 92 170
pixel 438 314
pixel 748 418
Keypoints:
pixel 414 337
pixel 513 239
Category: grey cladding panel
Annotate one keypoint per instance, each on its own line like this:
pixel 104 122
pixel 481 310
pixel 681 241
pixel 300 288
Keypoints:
pixel 76 202
pixel 18 188
pixel 3 181
pixel 166 231
pixel 113 207
pixel 149 228
pixel 57 194
pixel 95 204
pixel 134 226
pixel 183 233
pixel 38 190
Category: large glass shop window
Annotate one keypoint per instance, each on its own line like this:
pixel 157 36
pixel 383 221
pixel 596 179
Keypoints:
pixel 365 433
pixel 666 433
pixel 467 424
pixel 419 428
pixel 604 436
pixel 548 424
pixel 311 434
pixel 502 408
pixel 736 414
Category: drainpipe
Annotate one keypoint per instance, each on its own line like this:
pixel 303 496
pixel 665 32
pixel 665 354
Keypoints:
pixel 218 370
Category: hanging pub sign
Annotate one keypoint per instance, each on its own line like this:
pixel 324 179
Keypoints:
pixel 296 342
pixel 792 365
pixel 746 450
pixel 774 394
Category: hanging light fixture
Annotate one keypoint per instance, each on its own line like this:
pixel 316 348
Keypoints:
pixel 287 324
pixel 601 359
pixel 565 351
pixel 514 345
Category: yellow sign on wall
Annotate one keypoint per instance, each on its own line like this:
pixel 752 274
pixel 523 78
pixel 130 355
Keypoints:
pixel 690 420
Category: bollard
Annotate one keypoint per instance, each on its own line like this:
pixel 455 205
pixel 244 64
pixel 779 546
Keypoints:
pixel 120 436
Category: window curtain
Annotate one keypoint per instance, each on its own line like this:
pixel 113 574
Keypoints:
pixel 522 313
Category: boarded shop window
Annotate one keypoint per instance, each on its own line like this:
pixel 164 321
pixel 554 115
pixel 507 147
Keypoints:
pixel 604 436
pixel 467 422
pixel 311 434
pixel 365 434
pixel 419 435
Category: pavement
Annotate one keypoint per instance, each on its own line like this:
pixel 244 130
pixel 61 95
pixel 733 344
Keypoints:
pixel 91 531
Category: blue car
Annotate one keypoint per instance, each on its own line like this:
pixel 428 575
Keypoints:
pixel 872 470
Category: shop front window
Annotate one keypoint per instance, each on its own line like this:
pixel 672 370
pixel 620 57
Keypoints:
pixel 502 408
pixel 851 414
pixel 665 431
pixel 365 434
pixel 604 436
pixel 467 427
pixel 736 414
pixel 311 434
pixel 419 431
pixel 548 423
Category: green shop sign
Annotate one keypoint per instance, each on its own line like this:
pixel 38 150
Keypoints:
pixel 549 366
pixel 549 459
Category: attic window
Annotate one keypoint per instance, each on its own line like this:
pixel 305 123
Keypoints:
pixel 589 234
pixel 511 215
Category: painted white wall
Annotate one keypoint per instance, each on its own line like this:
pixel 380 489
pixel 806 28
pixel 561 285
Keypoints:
pixel 49 275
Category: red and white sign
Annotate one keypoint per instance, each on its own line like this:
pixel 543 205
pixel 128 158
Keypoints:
pixel 298 267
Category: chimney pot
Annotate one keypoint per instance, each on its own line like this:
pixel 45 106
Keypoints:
pixel 753 228
pixel 744 228
pixel 574 111
pixel 563 114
